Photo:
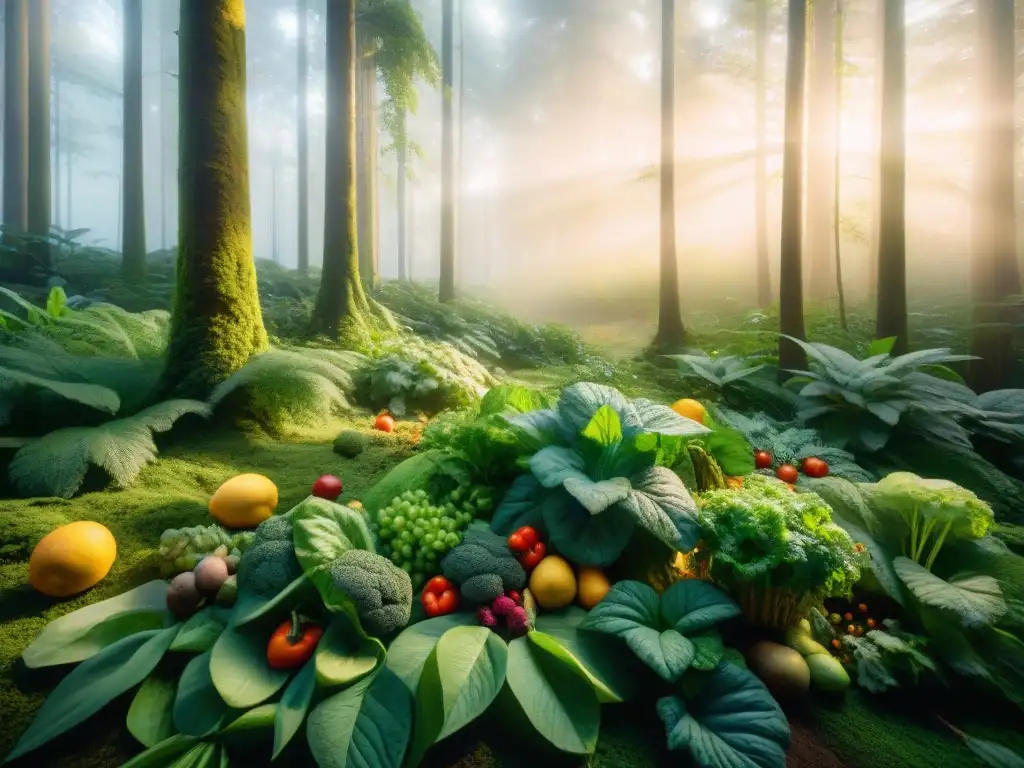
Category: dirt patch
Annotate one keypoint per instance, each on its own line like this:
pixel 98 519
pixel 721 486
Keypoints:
pixel 807 750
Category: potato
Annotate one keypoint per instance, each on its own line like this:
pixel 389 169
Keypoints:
pixel 783 670
pixel 210 574
pixel 183 598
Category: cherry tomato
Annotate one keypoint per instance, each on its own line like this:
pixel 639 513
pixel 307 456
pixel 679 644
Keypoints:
pixel 293 643
pixel 813 467
pixel 384 423
pixel 762 460
pixel 531 557
pixel 787 473
pixel 517 543
pixel 437 585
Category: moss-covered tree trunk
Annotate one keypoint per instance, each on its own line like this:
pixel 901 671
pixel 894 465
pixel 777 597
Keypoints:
pixel 764 278
pixel 15 213
pixel 133 257
pixel 39 192
pixel 216 324
pixel 791 288
pixel 671 335
pixel 366 160
pixel 891 311
pixel 341 304
pixel 447 286
pixel 302 123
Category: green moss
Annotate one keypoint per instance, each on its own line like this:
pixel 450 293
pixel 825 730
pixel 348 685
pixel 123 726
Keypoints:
pixel 350 443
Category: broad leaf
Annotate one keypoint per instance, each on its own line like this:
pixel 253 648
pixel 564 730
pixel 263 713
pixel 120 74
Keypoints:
pixel 710 650
pixel 993 753
pixel 604 427
pixel 660 503
pixel 238 667
pixel 977 600
pixel 595 540
pixel 409 651
pixel 731 450
pixel 254 609
pixel 544 426
pixel 259 718
pixel 93 684
pixel 344 654
pixel 662 420
pixel 511 397
pixel 163 754
pixel 579 402
pixel 881 346
pixel 693 605
pixel 596 497
pixel 368 724
pixel 733 723
pixel 291 711
pixel 520 506
pixel 553 465
pixel 151 716
pixel 198 708
pixel 78 635
pixel 201 631
pixel 323 531
pixel 556 699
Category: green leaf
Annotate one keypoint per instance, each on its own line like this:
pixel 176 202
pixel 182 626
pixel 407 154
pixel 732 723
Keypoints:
pixel 252 609
pixel 205 754
pixel 693 605
pixel 78 635
pixel 977 600
pixel 201 631
pixel 511 397
pixel 163 754
pixel 409 651
pixel 323 531
pixel 596 497
pixel 553 465
pixel 731 450
pixel 733 723
pixel 604 428
pixel 198 708
pixel 630 610
pixel 344 654
pixel 259 718
pixel 56 302
pixel 660 503
pixel 881 346
pixel 558 701
pixel 151 716
pixel 368 724
pixel 660 419
pixel 709 650
pixel 993 753
pixel 595 540
pixel 239 669
pixel 291 711
pixel 553 647
pixel 519 506
pixel 93 684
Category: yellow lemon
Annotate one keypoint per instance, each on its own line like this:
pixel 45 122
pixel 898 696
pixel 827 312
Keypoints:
pixel 690 409
pixel 593 586
pixel 552 583
pixel 244 501
pixel 72 558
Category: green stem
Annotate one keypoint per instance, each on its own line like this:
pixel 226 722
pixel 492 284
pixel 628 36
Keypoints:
pixel 926 533
pixel 913 532
pixel 938 545
pixel 295 633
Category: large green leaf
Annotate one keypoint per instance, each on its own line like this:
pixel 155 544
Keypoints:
pixel 660 503
pixel 555 464
pixel 731 450
pixel 519 506
pixel 662 420
pixel 595 540
pixel 201 631
pixel 239 669
pixel 977 600
pixel 598 496
pixel 693 605
pixel 557 700
pixel 368 724
pixel 993 753
pixel 733 723
pixel 409 651
pixel 259 718
pixel 163 754
pixel 511 397
pixel 78 635
pixel 291 711
pixel 323 531
pixel 345 654
pixel 151 716
pixel 93 684
pixel 604 427
pixel 631 610
pixel 198 708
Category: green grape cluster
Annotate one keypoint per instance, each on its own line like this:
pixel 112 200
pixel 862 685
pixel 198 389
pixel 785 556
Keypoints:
pixel 416 533
pixel 182 548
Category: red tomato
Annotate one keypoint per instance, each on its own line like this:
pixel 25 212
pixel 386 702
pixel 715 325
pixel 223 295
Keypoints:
pixel 813 467
pixel 327 487
pixel 384 423
pixel 293 643
pixel 533 555
pixel 787 473
pixel 437 585
pixel 762 460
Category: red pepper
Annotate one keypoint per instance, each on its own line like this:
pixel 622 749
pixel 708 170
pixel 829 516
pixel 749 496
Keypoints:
pixel 533 555
pixel 439 597
pixel 293 643
pixel 523 539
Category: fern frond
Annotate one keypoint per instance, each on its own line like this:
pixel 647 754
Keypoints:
pixel 13 383
pixel 56 465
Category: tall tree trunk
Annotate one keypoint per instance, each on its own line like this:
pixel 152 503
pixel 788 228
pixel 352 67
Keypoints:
pixel 460 252
pixel 401 151
pixel 16 117
pixel 791 286
pixel 366 159
pixel 39 129
pixel 875 213
pixel 891 312
pixel 133 259
pixel 340 301
pixel 838 154
pixel 216 323
pixel 820 160
pixel 57 186
pixel 302 123
pixel 671 334
pixel 995 272
pixel 162 79
pixel 447 287
pixel 764 277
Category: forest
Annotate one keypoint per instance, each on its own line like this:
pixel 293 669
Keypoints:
pixel 492 383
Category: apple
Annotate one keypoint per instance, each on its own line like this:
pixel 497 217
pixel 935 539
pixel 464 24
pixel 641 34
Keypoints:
pixel 327 487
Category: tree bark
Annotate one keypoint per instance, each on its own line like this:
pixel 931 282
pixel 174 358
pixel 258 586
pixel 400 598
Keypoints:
pixel 875 213
pixel 216 323
pixel 133 258
pixel 39 130
pixel 671 334
pixel 791 300
pixel 995 269
pixel 16 117
pixel 460 252
pixel 447 278
pixel 402 172
pixel 891 312
pixel 366 166
pixel 302 123
pixel 340 302
pixel 836 174
pixel 764 277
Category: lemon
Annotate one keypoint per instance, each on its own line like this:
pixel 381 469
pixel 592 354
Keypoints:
pixel 244 501
pixel 552 583
pixel 72 558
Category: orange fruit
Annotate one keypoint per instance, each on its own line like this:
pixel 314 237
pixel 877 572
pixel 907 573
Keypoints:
pixel 244 501
pixel 690 409
pixel 72 558
pixel 592 586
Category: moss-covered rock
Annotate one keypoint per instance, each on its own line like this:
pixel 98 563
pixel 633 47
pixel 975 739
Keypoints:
pixel 350 443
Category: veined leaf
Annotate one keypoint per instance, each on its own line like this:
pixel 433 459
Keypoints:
pixel 239 670
pixel 604 427
pixel 409 651
pixel 977 600
pixel 291 711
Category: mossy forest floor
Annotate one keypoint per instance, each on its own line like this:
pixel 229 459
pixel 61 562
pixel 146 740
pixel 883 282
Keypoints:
pixel 174 493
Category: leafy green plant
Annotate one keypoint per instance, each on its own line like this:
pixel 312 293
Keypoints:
pixel 889 659
pixel 597 478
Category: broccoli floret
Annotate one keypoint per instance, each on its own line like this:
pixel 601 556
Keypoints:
pixel 482 589
pixel 268 567
pixel 479 534
pixel 274 528
pixel 381 590
pixel 483 554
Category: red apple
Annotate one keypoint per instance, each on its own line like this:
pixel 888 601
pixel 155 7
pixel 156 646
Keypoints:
pixel 327 487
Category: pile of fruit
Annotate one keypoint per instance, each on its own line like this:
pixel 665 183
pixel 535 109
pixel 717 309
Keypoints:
pixel 212 580
pixel 788 473
pixel 181 549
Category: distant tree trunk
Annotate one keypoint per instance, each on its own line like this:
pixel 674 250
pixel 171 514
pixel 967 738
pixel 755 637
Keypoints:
pixel 302 121
pixel 401 151
pixel 164 34
pixel 836 221
pixel 16 139
pixel 875 214
pixel 820 161
pixel 460 252
pixel 216 323
pixel 671 334
pixel 447 287
pixel 133 259
pixel 366 162
pixel 791 299
pixel 57 186
pixel 39 129
pixel 995 272
pixel 341 303
pixel 764 277
pixel 891 312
